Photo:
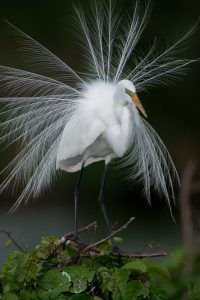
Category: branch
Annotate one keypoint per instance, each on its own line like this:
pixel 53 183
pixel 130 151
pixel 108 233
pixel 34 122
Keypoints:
pixel 71 234
pixel 81 230
pixel 93 251
pixel 114 233
pixel 130 255
pixel 144 255
pixel 76 259
pixel 8 234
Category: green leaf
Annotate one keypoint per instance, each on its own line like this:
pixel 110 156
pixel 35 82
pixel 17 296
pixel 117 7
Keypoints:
pixel 42 295
pixel 177 259
pixel 155 268
pixel 80 276
pixel 136 265
pixel 119 281
pixel 10 296
pixel 15 269
pixel 42 253
pixel 159 294
pixel 61 297
pixel 105 247
pixel 121 276
pixel 24 276
pixel 80 297
pixel 8 243
pixel 106 278
pixel 135 289
pixel 118 240
pixel 34 295
pixel 25 295
pixel 32 271
pixel 49 240
pixel 54 282
pixel 196 292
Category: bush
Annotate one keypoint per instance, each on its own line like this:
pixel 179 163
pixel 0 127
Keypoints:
pixel 52 271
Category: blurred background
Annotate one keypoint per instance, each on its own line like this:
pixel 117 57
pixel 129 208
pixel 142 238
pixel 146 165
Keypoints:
pixel 172 111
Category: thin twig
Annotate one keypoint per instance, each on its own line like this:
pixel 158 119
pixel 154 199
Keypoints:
pixel 82 247
pixel 71 234
pixel 93 235
pixel 81 230
pixel 144 255
pixel 124 255
pixel 114 233
pixel 129 255
pixel 77 259
pixel 94 252
pixel 8 234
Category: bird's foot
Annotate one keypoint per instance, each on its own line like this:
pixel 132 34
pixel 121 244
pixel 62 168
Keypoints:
pixel 117 251
pixel 79 245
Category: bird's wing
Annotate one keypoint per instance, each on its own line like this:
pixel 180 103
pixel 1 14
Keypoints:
pixel 78 139
pixel 33 116
pixel 150 163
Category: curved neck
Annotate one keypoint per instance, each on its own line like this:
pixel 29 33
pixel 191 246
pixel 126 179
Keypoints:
pixel 120 98
pixel 120 104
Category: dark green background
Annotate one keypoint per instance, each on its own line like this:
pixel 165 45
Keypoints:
pixel 172 111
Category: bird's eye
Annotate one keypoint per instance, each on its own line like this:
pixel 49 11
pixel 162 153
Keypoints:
pixel 129 92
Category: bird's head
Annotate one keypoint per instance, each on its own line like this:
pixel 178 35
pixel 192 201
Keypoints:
pixel 126 91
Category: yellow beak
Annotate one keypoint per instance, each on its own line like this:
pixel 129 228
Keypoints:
pixel 137 102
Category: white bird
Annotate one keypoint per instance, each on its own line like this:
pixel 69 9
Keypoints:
pixel 102 127
pixel 66 120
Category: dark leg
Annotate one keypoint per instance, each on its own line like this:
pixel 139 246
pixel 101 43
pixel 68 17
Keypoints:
pixel 76 201
pixel 102 204
pixel 115 248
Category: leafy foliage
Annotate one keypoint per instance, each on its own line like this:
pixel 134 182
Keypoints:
pixel 50 272
pixel 185 272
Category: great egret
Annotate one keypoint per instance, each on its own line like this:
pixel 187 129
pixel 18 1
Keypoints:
pixel 68 120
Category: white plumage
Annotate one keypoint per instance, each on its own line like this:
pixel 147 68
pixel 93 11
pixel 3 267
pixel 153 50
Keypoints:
pixel 101 128
pixel 61 118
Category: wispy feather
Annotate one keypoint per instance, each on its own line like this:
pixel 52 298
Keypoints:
pixel 40 103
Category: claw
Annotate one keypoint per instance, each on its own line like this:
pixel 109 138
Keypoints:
pixel 118 251
pixel 80 245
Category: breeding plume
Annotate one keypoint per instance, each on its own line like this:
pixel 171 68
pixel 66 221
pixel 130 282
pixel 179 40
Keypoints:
pixel 63 119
